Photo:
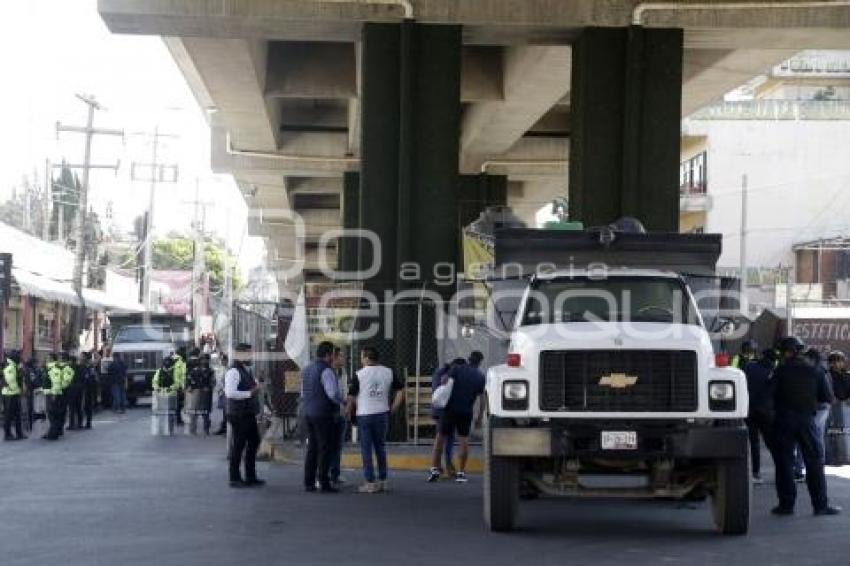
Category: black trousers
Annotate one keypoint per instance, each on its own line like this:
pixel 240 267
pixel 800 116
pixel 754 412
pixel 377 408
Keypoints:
pixel 75 407
pixel 799 429
pixel 89 402
pixel 246 438
pixel 179 416
pixel 12 416
pixel 56 410
pixel 320 448
pixel 759 425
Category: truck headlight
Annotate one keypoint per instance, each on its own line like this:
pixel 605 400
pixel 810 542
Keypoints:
pixel 515 395
pixel 721 396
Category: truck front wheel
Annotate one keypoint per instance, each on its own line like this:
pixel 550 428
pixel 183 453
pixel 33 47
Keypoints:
pixel 501 488
pixel 731 499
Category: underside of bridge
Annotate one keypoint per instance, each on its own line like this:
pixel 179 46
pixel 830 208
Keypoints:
pixel 392 115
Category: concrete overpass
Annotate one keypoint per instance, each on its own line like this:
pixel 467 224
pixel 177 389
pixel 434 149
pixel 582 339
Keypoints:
pixel 405 117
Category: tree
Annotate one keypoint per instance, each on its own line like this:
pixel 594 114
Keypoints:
pixel 25 208
pixel 178 253
pixel 66 201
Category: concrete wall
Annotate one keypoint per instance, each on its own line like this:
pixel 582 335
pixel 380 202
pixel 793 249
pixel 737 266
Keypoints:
pixel 799 184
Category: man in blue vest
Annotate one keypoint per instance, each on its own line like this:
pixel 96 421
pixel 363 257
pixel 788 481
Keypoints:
pixel 240 389
pixel 321 401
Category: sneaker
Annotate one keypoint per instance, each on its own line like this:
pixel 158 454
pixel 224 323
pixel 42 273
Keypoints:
pixel 433 475
pixel 256 482
pixel 828 510
pixel 238 484
pixel 328 489
pixel 383 485
pixel 782 511
pixel 369 487
pixel 799 478
pixel 460 477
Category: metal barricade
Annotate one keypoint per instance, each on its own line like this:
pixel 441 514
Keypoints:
pixel 163 411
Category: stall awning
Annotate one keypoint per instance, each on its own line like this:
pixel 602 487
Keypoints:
pixel 48 289
pixel 101 300
pixel 45 288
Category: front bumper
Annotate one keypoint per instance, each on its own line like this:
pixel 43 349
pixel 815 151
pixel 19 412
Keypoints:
pixel 570 438
pixel 140 383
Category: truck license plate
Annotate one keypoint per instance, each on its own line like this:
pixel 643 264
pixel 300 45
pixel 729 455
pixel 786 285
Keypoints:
pixel 619 440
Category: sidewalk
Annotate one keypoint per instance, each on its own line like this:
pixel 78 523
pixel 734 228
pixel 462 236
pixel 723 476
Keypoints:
pixel 400 457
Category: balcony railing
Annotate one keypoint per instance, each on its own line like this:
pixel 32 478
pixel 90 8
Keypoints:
pixel 692 176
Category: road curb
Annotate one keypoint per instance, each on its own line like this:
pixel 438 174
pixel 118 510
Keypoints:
pixel 351 460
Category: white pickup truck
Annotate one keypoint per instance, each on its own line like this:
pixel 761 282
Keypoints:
pixel 610 388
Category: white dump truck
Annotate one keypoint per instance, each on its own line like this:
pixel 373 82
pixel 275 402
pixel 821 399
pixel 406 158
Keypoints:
pixel 610 387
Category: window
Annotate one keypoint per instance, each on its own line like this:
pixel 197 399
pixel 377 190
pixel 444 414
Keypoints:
pixel 631 299
pixel 43 329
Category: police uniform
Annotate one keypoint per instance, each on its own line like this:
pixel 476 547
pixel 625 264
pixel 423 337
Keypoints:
pixel 58 381
pixel 75 396
pixel 199 384
pixel 798 390
pixel 180 384
pixel 11 393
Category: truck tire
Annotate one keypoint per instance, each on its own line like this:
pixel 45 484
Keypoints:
pixel 731 499
pixel 501 489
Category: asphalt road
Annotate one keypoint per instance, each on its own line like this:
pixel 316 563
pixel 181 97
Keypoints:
pixel 117 496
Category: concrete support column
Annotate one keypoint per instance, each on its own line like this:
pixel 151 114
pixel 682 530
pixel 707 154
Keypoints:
pixel 626 100
pixel 408 191
pixel 379 150
pixel 477 192
pixel 349 248
pixel 429 145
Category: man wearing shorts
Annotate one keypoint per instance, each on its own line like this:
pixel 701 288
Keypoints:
pixel 457 416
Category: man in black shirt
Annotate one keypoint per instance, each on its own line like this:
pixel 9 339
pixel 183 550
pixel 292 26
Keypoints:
pixel 798 390
pixel 760 417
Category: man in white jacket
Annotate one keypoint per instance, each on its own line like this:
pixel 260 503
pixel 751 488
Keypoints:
pixel 369 397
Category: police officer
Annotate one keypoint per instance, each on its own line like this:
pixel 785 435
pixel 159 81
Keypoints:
pixel 199 385
pixel 90 386
pixel 748 354
pixel 164 381
pixel 180 371
pixel 240 389
pixel 11 392
pixel 75 395
pixel 760 416
pixel 798 389
pixel 55 385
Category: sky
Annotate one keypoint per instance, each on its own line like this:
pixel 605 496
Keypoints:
pixel 50 50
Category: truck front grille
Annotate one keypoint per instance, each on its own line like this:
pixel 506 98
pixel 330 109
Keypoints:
pixel 666 381
pixel 140 360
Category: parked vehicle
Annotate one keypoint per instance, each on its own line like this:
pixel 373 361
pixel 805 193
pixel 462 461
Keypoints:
pixel 610 386
pixel 142 348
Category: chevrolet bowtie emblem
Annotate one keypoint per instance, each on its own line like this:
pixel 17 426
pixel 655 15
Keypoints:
pixel 618 380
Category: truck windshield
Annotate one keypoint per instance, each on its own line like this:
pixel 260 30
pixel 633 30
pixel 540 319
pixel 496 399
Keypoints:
pixel 623 299
pixel 143 334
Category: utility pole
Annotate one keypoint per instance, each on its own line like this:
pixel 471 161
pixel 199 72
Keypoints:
pixel 48 205
pixel 157 175
pixel 199 210
pixel 82 211
pixel 743 251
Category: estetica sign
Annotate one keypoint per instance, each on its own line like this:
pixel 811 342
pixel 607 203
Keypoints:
pixel 824 334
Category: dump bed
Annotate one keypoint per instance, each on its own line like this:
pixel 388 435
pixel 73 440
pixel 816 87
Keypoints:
pixel 688 254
